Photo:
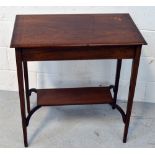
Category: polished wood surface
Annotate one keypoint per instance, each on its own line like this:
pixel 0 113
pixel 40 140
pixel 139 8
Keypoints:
pixel 21 93
pixel 72 96
pixel 75 30
pixel 75 37
pixel 133 78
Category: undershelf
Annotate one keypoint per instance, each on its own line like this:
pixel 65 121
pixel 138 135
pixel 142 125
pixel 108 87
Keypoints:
pixel 74 96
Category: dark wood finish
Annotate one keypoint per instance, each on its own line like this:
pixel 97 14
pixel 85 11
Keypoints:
pixel 134 72
pixel 26 85
pixel 75 30
pixel 75 37
pixel 21 93
pixel 34 109
pixel 72 96
pixel 79 53
pixel 118 71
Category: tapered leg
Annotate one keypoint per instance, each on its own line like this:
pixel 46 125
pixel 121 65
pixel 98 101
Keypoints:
pixel 118 70
pixel 26 85
pixel 134 71
pixel 21 93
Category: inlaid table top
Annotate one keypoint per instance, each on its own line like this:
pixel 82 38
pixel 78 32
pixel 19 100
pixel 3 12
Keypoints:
pixel 65 30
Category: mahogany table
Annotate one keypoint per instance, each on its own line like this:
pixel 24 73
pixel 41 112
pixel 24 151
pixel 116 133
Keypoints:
pixel 75 37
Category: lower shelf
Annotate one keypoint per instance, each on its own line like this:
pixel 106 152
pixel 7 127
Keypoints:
pixel 74 96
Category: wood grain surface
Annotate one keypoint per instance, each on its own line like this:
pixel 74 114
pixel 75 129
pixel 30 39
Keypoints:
pixel 75 30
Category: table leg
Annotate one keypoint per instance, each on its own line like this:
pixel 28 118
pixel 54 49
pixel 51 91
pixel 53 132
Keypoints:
pixel 21 93
pixel 26 85
pixel 134 72
pixel 117 77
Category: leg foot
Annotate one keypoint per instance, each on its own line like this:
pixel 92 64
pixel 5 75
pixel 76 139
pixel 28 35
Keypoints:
pixel 25 144
pixel 124 140
pixel 113 107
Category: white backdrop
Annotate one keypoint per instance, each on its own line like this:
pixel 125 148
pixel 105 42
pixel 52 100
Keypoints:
pixel 81 73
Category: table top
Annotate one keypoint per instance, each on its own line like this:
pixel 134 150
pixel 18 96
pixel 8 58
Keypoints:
pixel 65 30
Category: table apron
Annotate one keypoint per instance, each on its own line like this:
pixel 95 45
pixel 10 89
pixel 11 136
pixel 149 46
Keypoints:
pixel 107 52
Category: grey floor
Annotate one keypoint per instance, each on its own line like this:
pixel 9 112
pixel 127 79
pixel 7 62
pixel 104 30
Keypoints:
pixel 75 126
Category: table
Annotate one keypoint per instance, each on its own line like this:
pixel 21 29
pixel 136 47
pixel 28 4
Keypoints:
pixel 75 37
